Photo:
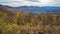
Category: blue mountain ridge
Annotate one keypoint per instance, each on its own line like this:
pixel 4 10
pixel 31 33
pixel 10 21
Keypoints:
pixel 36 9
pixel 44 9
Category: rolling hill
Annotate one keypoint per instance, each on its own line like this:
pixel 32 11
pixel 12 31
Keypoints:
pixel 33 9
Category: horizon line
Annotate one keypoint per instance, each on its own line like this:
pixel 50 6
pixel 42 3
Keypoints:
pixel 31 5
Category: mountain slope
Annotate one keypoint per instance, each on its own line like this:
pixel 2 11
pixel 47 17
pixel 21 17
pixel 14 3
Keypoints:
pixel 34 9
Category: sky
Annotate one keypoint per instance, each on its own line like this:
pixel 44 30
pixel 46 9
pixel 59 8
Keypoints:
pixel 16 3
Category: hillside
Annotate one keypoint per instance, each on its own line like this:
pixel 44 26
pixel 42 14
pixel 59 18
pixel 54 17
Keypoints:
pixel 23 20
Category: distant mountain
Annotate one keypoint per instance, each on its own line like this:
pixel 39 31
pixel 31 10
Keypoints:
pixel 38 10
pixel 34 9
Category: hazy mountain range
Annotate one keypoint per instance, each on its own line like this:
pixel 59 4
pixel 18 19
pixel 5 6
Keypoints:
pixel 33 9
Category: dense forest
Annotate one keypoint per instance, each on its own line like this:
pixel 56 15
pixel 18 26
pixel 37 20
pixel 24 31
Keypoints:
pixel 20 23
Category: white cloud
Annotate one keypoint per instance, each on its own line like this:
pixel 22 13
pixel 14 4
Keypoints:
pixel 33 0
pixel 30 2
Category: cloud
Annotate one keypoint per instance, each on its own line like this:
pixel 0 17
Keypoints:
pixel 33 0
pixel 30 2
